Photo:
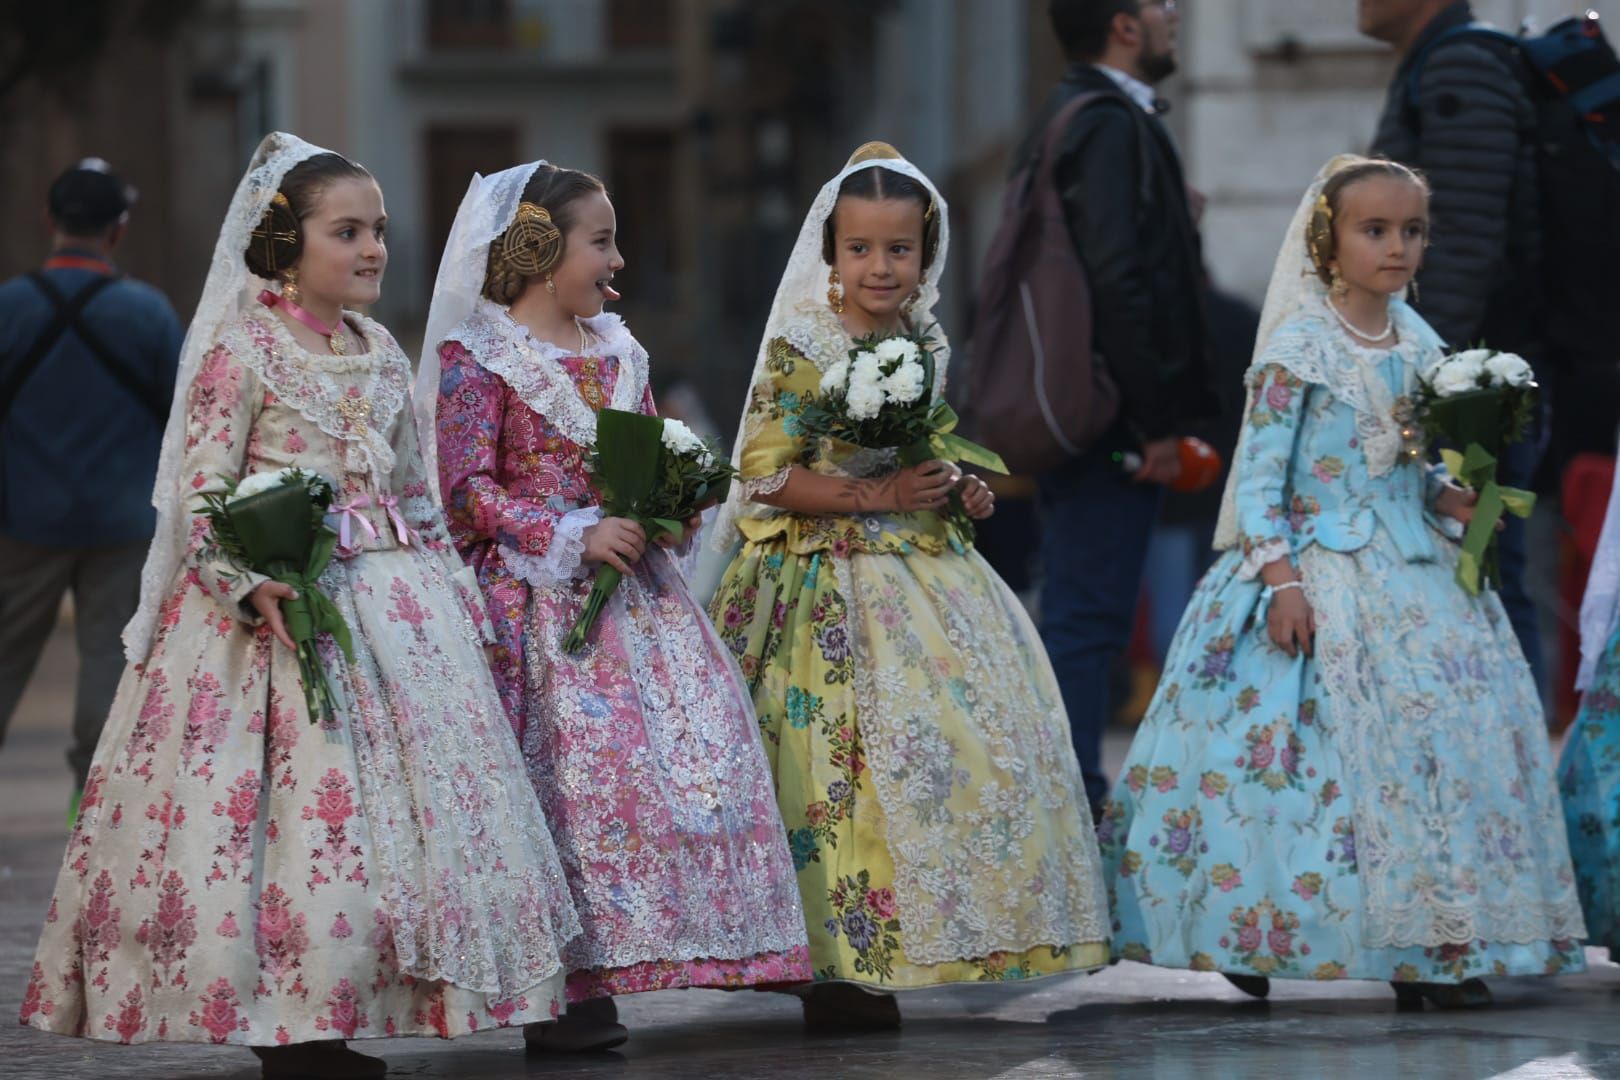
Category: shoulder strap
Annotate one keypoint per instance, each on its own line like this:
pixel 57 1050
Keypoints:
pixel 1478 30
pixel 65 317
pixel 1043 167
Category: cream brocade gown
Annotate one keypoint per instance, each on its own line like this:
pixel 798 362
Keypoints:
pixel 241 875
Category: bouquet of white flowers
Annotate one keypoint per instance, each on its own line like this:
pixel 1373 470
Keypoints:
pixel 1480 400
pixel 880 398
pixel 654 472
pixel 274 523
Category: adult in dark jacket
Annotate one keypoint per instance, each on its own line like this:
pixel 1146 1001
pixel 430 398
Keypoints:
pixel 1126 204
pixel 87 366
pixel 1471 132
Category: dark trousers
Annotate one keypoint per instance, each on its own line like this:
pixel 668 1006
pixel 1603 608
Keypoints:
pixel 1095 529
pixel 106 584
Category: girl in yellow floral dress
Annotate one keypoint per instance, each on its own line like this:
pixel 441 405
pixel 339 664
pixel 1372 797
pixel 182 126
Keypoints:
pixel 923 766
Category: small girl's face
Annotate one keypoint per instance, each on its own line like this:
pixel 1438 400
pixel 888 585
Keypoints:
pixel 344 255
pixel 877 251
pixel 584 277
pixel 1379 232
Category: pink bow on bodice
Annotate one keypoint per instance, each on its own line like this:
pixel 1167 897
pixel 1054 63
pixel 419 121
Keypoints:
pixel 349 515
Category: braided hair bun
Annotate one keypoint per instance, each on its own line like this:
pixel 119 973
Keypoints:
pixel 536 241
pixel 278 240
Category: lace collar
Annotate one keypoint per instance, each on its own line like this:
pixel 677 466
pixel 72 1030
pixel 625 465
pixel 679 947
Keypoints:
pixel 1316 349
pixel 360 414
pixel 819 335
pixel 534 371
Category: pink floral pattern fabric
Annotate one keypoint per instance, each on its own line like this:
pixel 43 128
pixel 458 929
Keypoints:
pixel 241 875
pixel 643 749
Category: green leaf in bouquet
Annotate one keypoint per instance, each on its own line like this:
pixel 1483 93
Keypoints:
pixel 718 489
pixel 627 458
pixel 275 527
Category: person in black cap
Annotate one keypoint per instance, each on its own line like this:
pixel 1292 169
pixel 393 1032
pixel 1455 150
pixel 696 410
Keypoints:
pixel 87 367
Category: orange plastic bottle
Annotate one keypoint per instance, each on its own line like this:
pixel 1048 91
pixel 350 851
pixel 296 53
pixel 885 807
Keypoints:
pixel 1200 464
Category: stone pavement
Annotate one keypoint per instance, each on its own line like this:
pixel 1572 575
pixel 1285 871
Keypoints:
pixel 1129 1021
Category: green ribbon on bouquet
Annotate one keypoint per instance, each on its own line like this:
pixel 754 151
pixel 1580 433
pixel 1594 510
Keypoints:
pixel 943 444
pixel 1480 558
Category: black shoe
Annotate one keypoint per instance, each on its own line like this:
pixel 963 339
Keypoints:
pixel 584 1028
pixel 847 1007
pixel 325 1060
pixel 1256 986
pixel 1468 994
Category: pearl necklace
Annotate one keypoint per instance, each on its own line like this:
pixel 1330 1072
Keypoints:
pixel 1389 324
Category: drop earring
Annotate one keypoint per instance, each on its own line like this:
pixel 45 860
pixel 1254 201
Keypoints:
pixel 835 292
pixel 1412 293
pixel 1339 288
pixel 551 286
pixel 289 286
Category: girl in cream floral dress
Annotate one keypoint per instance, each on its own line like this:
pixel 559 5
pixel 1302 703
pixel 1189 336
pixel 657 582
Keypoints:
pixel 240 873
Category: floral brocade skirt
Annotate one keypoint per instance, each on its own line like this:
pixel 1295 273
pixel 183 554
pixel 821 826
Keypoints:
pixel 1589 775
pixel 1385 809
pixel 923 766
pixel 646 759
pixel 240 875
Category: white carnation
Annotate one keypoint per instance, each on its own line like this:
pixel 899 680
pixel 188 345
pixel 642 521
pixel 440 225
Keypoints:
pixel 905 384
pixel 1507 369
pixel 680 439
pixel 835 378
pixel 865 399
pixel 265 481
pixel 896 348
pixel 866 371
pixel 1460 373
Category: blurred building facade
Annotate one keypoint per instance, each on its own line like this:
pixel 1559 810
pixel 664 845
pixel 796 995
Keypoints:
pixel 713 122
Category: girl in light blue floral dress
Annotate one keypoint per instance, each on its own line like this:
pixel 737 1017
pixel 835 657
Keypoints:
pixel 1344 772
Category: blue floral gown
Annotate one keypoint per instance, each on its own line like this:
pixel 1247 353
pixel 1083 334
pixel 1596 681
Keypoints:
pixel 1385 809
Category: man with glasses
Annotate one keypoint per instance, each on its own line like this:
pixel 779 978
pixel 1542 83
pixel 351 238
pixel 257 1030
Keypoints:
pixel 1128 214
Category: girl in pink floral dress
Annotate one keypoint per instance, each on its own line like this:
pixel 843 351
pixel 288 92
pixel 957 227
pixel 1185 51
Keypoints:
pixel 643 748
pixel 239 873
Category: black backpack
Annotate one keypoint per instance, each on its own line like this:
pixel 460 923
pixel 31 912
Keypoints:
pixel 1572 76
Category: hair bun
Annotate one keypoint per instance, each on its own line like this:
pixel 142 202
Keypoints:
pixel 275 242
pixel 874 151
pixel 532 244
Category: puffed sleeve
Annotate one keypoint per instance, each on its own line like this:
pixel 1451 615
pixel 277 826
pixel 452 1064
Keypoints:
pixel 1277 407
pixel 539 544
pixel 774 442
pixel 222 403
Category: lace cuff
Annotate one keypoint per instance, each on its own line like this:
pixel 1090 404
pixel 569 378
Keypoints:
pixel 766 485
pixel 1261 554
pixel 564 559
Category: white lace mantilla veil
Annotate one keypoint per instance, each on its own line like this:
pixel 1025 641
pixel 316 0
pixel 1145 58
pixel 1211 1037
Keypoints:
pixel 486 210
pixel 802 295
pixel 230 290
pixel 1295 290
